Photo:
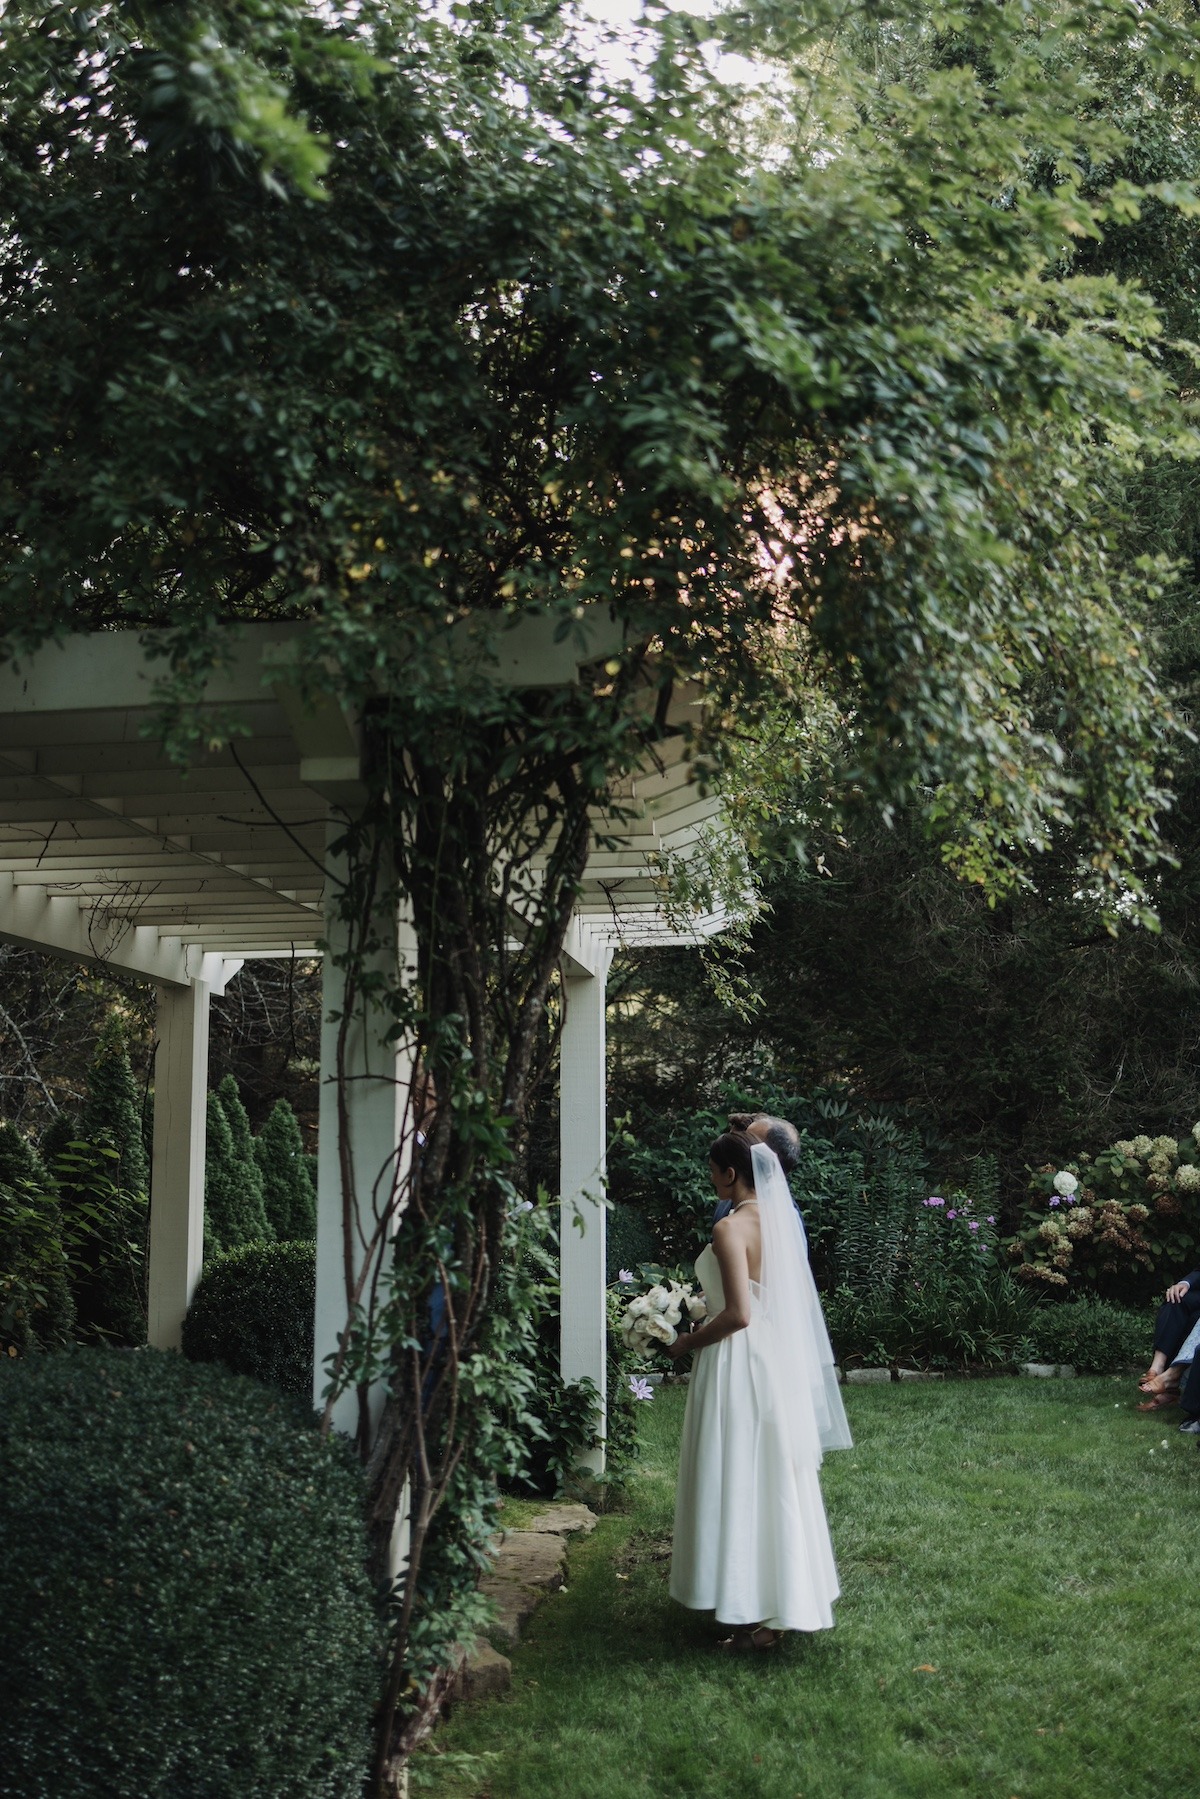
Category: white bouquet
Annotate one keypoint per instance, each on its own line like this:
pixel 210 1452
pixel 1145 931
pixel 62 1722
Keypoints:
pixel 656 1317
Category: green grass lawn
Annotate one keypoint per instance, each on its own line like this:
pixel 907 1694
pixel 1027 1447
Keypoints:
pixel 1019 1564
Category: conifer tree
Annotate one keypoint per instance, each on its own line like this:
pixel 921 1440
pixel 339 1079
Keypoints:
pixel 113 1110
pixel 288 1196
pixel 245 1162
pixel 35 1297
pixel 223 1227
pixel 105 1229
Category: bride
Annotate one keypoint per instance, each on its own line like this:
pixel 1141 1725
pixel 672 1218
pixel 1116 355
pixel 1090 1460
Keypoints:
pixel 751 1539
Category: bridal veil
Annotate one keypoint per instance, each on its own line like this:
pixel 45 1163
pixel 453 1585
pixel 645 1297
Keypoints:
pixel 808 1396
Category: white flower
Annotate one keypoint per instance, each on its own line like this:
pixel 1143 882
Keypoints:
pixel 658 1298
pixel 1187 1178
pixel 1196 1132
pixel 660 1330
pixel 639 1307
pixel 1165 1146
pixel 1065 1183
pixel 696 1307
pixel 1141 1146
pixel 1125 1147
pixel 673 1314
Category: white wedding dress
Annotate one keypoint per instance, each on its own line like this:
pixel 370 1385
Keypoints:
pixel 751 1538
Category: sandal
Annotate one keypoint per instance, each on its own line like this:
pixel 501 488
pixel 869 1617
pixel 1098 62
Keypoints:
pixel 747 1640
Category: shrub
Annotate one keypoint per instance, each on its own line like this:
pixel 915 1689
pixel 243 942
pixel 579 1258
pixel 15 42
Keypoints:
pixel 105 1227
pixel 624 1366
pixel 35 1298
pixel 253 1311
pixel 1117 1224
pixel 245 1162
pixel 1090 1334
pixel 233 1212
pixel 112 1112
pixel 630 1240
pixel 186 1610
pixel 979 1320
pixel 856 1193
pixel 289 1199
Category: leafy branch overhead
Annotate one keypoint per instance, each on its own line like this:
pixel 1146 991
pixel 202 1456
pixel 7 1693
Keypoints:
pixel 384 320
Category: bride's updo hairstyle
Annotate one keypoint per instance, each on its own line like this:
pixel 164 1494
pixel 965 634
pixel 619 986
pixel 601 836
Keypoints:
pixel 732 1150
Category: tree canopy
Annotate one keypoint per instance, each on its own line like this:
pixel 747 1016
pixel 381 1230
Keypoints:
pixel 383 320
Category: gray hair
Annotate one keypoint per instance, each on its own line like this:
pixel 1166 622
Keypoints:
pixel 784 1139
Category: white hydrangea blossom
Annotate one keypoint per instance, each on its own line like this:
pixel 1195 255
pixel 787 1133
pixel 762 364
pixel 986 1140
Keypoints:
pixel 1065 1183
pixel 1165 1146
pixel 1187 1180
pixel 1142 1146
pixel 1125 1147
pixel 1196 1132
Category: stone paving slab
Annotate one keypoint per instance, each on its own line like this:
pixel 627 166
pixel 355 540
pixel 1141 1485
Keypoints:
pixel 564 1520
pixel 485 1673
pixel 531 1563
pixel 868 1377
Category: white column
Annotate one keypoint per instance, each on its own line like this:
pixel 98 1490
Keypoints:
pixel 583 1137
pixel 373 1089
pixel 177 1171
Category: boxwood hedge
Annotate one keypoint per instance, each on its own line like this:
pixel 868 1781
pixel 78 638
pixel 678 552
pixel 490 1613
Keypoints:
pixel 253 1311
pixel 186 1611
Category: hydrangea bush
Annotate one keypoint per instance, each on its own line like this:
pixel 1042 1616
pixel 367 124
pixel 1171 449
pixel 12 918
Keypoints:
pixel 1122 1220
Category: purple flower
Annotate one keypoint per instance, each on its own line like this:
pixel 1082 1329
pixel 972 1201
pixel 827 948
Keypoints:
pixel 625 1278
pixel 640 1387
pixel 952 1213
pixel 1055 1200
pixel 972 1226
pixel 935 1202
pixel 991 1220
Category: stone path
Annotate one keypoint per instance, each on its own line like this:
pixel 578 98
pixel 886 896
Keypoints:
pixel 529 1564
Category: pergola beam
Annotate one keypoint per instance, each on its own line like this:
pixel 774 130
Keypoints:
pixel 56 924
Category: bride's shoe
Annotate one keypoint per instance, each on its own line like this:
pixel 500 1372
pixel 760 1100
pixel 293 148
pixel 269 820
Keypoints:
pixel 751 1641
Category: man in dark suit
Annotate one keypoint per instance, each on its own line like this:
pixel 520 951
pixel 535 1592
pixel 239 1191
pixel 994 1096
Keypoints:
pixel 777 1134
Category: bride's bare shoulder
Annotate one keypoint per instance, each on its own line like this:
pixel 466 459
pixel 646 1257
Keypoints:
pixel 734 1229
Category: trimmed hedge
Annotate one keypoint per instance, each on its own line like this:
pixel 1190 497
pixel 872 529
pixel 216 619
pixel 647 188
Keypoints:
pixel 186 1610
pixel 1093 1335
pixel 253 1311
pixel 630 1241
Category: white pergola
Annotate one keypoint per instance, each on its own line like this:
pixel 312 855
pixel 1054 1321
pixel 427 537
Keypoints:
pixel 112 854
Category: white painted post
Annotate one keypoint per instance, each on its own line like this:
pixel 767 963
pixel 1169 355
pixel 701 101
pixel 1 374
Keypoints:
pixel 376 1076
pixel 583 1136
pixel 177 1168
